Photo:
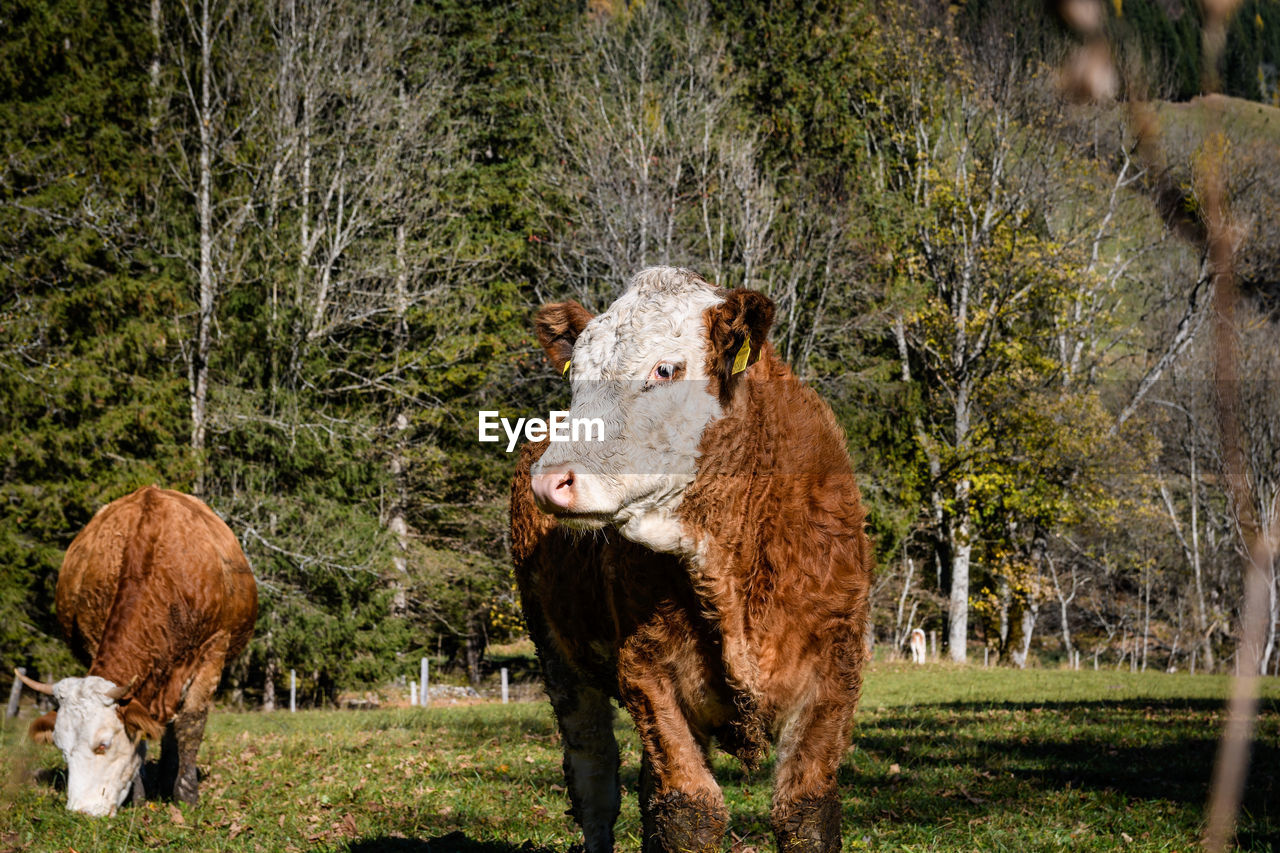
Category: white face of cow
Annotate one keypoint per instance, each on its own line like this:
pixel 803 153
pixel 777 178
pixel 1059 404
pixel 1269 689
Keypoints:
pixel 642 367
pixel 101 758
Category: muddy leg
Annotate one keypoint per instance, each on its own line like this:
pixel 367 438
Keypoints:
pixel 681 805
pixel 679 822
pixel 808 826
pixel 189 731
pixel 167 766
pixel 806 803
pixel 188 725
pixel 138 794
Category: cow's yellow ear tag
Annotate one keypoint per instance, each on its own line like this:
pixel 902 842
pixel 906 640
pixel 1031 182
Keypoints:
pixel 565 372
pixel 744 354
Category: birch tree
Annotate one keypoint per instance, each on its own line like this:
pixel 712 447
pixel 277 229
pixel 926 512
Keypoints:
pixel 646 165
pixel 213 112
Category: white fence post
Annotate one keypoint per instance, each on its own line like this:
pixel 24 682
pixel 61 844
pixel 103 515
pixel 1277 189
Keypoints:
pixel 413 693
pixel 293 690
pixel 423 695
pixel 986 657
pixel 504 685
pixel 933 645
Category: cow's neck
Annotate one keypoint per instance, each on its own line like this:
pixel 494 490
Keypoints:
pixel 134 652
pixel 739 454
pixel 726 516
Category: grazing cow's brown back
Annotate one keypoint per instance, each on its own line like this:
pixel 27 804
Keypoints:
pixel 154 595
pixel 153 579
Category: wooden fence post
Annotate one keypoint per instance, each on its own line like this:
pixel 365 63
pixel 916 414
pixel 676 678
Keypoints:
pixel 15 692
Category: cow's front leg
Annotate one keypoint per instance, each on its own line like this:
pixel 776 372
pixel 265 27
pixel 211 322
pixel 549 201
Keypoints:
pixel 806 803
pixel 184 735
pixel 590 761
pixel 585 717
pixel 681 806
pixel 188 729
pixel 678 820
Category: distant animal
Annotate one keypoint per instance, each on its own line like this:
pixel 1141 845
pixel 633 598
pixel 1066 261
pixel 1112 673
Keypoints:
pixel 706 564
pixel 917 646
pixel 153 595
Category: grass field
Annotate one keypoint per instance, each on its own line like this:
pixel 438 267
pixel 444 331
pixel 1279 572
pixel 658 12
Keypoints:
pixel 943 759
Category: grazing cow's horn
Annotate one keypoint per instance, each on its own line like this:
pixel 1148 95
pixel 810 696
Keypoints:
pixel 37 686
pixel 118 693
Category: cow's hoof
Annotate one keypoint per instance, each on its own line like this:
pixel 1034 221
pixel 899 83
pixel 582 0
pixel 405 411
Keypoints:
pixel 187 790
pixel 139 790
pixel 685 824
pixel 808 826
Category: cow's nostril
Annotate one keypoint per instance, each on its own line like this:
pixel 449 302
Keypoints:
pixel 554 490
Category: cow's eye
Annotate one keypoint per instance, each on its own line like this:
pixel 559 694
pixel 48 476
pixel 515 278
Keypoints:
pixel 101 748
pixel 664 371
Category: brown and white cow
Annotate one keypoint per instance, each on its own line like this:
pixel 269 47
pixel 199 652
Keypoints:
pixel 917 646
pixel 154 595
pixel 706 564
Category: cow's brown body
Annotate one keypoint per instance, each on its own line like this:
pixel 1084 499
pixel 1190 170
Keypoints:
pixel 758 640
pixel 155 593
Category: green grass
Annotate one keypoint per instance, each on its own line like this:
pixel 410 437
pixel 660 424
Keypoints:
pixel 943 759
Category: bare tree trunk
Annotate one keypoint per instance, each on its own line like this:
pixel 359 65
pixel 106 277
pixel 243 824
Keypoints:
pixel 477 641
pixel 269 683
pixel 154 95
pixel 1064 601
pixel 909 567
pixel 958 607
pixel 1146 616
pixel 1202 615
pixel 15 693
pixel 1273 612
pixel 400 306
pixel 1006 600
pixel 1191 549
pixel 199 371
pixel 1030 612
pixel 958 531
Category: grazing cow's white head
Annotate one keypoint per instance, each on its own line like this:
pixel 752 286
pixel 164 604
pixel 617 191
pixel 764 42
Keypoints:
pixel 101 757
pixel 657 367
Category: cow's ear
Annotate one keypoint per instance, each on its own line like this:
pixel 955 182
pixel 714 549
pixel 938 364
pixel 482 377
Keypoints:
pixel 558 326
pixel 41 728
pixel 736 332
pixel 138 723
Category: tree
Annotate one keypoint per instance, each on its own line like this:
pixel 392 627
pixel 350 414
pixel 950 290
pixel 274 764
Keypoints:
pixel 87 334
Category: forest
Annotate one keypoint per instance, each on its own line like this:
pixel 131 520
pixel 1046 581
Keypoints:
pixel 280 253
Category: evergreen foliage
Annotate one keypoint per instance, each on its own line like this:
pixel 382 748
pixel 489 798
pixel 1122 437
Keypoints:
pixel 294 296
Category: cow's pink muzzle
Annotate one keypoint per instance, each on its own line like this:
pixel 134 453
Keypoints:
pixel 553 489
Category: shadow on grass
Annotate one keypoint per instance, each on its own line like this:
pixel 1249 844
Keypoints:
pixel 1142 748
pixel 454 842
pixel 949 763
pixel 53 777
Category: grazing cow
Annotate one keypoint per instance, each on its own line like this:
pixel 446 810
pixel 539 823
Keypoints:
pixel 153 595
pixel 706 564
pixel 917 646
